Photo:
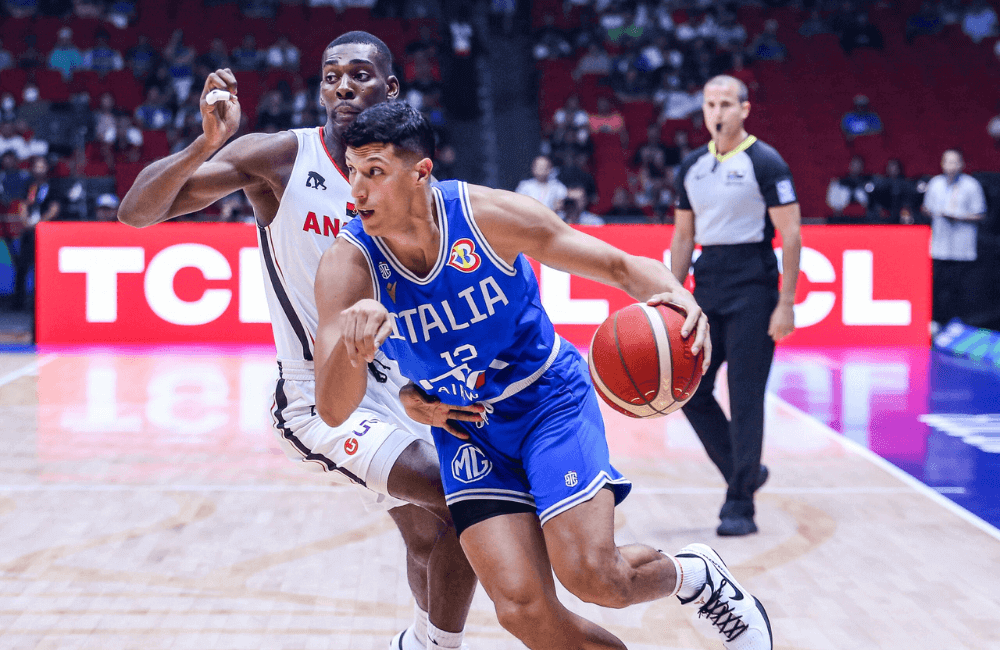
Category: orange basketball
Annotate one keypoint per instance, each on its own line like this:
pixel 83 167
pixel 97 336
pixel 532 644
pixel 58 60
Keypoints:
pixel 640 363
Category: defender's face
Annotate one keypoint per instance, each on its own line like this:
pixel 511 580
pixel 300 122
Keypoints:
pixel 722 106
pixel 352 82
pixel 383 183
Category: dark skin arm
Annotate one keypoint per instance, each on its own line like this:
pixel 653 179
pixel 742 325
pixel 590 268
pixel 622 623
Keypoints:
pixel 188 181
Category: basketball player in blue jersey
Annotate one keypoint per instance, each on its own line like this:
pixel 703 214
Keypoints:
pixel 297 184
pixel 434 275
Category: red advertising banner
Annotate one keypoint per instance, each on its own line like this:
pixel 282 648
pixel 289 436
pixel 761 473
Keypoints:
pixel 194 283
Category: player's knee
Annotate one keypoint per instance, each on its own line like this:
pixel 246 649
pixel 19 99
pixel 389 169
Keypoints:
pixel 524 613
pixel 596 577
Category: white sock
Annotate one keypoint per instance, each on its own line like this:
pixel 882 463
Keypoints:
pixel 440 639
pixel 419 627
pixel 691 576
pixel 409 641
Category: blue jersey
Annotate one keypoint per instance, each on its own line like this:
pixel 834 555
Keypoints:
pixel 471 330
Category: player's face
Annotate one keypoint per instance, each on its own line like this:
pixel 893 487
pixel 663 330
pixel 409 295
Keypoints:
pixel 384 183
pixel 722 108
pixel 352 81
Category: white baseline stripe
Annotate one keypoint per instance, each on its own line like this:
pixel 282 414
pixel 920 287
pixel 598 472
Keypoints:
pixel 29 369
pixel 877 460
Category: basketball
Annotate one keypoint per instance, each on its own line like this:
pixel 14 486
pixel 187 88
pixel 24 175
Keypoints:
pixel 641 365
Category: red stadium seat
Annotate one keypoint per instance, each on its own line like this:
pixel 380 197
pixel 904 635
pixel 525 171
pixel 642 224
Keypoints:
pixel 155 145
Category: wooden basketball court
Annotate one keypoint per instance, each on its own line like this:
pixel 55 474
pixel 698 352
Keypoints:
pixel 143 505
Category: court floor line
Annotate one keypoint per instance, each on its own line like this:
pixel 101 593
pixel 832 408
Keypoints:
pixel 28 369
pixel 123 487
pixel 877 460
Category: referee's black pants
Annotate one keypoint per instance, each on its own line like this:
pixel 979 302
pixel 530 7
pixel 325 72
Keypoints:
pixel 737 288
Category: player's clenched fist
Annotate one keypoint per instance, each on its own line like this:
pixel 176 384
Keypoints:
pixel 364 326
pixel 220 119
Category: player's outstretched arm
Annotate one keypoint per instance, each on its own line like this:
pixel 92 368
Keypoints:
pixel 351 327
pixel 188 181
pixel 516 224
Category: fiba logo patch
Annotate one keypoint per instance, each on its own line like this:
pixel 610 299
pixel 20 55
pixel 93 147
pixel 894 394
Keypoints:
pixel 571 479
pixel 351 446
pixel 463 256
pixel 470 464
pixel 384 270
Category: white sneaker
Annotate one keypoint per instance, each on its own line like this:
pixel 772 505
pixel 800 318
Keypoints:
pixel 737 615
pixel 397 641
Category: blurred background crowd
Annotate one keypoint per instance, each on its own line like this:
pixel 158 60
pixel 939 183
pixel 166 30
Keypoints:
pixel 587 105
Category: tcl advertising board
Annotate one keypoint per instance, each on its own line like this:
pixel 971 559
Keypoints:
pixel 198 283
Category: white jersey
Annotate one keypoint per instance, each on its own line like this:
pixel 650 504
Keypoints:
pixel 316 203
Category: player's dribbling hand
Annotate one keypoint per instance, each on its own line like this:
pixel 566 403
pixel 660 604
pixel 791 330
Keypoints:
pixel 695 321
pixel 427 409
pixel 219 121
pixel 365 325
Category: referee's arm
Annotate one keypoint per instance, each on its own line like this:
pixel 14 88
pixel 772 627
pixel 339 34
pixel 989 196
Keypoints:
pixel 788 221
pixel 682 245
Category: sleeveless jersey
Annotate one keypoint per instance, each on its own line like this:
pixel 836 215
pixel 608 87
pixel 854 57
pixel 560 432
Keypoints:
pixel 314 207
pixel 472 330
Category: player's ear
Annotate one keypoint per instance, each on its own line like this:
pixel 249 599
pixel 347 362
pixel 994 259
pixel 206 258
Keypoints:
pixel 745 110
pixel 423 169
pixel 392 87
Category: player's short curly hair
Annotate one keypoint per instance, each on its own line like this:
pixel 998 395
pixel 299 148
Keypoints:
pixel 396 123
pixel 382 51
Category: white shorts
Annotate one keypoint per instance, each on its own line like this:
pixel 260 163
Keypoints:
pixel 361 452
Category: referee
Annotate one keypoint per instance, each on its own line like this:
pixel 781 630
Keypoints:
pixel 731 194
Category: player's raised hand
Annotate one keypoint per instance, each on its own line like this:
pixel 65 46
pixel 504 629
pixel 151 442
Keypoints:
pixel 220 118
pixel 429 410
pixel 365 326
pixel 695 321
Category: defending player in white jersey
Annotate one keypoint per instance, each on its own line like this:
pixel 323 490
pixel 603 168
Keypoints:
pixel 296 183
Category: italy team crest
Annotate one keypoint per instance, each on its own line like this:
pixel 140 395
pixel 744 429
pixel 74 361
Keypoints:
pixel 463 256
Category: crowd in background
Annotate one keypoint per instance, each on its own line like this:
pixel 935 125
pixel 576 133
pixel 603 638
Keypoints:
pixel 663 52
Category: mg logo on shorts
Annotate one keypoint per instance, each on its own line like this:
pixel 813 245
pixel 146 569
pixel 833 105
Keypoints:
pixel 571 478
pixel 470 464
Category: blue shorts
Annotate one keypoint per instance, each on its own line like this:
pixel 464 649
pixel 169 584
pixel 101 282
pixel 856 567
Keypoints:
pixel 543 447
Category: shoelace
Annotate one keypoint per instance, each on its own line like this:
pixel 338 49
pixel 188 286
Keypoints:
pixel 721 615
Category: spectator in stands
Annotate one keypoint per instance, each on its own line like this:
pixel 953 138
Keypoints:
pixel 120 13
pixel 622 206
pixel 217 57
pixel 675 102
pixel 283 55
pixel 849 190
pixel 14 181
pixel 673 155
pixel 247 56
pixel 6 58
pixel 573 173
pixel 980 21
pixel 273 115
pixel 33 111
pixel 700 66
pixel 744 74
pixel 892 196
pixel 30 58
pixel 766 46
pixel 102 58
pixel 106 208
pixel 951 12
pixel 596 62
pixel 444 162
pixel 861 33
pixel 65 56
pixel 180 59
pixel 542 186
pixel 631 87
pixel 609 120
pixel 926 22
pixel 88 8
pixel 8 107
pixel 993 127
pixel 732 35
pixel 550 41
pixel 955 203
pixel 575 208
pixel 12 139
pixel 154 114
pixel 258 9
pixel 653 145
pixel 21 8
pixel 141 57
pixel 105 118
pixel 814 25
pixel 41 203
pixel 860 121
